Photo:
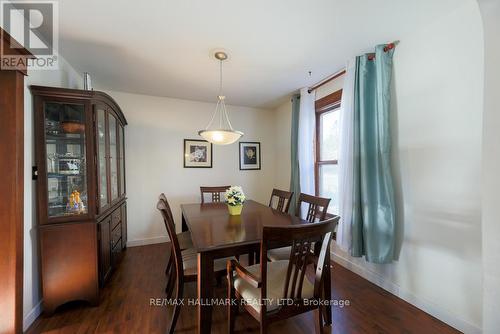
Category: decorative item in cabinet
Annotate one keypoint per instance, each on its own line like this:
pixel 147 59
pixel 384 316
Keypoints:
pixel 87 81
pixel 79 185
pixel 69 166
pixel 73 127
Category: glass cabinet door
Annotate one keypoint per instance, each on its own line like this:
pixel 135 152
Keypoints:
pixel 66 164
pixel 102 161
pixel 122 160
pixel 113 156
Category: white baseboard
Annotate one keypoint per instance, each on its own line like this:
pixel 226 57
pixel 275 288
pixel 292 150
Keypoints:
pixel 32 316
pixel 426 306
pixel 147 241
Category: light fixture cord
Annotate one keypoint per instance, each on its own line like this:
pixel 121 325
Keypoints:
pixel 220 92
pixel 220 106
pixel 223 111
pixel 220 77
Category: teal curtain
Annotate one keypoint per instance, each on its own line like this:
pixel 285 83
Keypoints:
pixel 373 225
pixel 295 172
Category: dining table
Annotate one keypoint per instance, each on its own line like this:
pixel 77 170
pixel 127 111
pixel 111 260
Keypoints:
pixel 216 235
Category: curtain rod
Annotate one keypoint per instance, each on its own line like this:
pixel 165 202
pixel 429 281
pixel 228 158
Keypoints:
pixel 326 80
pixel 334 76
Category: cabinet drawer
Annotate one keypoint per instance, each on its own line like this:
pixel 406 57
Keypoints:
pixel 116 235
pixel 116 218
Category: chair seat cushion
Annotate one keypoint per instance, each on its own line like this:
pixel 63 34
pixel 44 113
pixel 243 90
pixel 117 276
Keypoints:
pixel 276 276
pixel 190 262
pixel 188 253
pixel 278 254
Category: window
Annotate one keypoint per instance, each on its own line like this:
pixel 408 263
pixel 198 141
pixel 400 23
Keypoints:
pixel 327 149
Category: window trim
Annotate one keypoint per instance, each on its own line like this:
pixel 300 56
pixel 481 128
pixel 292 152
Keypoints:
pixel 322 106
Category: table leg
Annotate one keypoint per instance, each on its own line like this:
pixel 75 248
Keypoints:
pixel 327 281
pixel 251 258
pixel 205 292
pixel 184 225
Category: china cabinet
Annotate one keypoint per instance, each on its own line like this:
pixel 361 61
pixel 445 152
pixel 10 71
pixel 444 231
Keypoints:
pixel 81 191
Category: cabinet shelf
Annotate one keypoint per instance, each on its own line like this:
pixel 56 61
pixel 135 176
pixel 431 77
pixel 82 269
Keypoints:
pixel 64 135
pixel 59 175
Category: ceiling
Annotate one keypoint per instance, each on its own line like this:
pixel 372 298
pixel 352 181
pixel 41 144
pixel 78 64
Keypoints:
pixel 164 47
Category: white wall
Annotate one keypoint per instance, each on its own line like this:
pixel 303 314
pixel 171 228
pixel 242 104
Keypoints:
pixel 437 124
pixel 282 141
pixel 154 158
pixel 490 10
pixel 67 77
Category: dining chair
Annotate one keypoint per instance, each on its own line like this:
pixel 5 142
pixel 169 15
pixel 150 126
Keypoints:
pixel 317 208
pixel 282 289
pixel 185 262
pixel 214 191
pixel 185 241
pixel 282 200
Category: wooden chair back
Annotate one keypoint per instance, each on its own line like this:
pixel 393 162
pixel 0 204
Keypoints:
pixel 168 219
pixel 163 198
pixel 214 191
pixel 303 238
pixel 284 199
pixel 317 208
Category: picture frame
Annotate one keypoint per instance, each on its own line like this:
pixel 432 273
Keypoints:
pixel 250 156
pixel 197 153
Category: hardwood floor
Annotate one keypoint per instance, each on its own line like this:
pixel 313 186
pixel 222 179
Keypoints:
pixel 125 306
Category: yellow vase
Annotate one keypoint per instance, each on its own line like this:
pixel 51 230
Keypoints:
pixel 235 210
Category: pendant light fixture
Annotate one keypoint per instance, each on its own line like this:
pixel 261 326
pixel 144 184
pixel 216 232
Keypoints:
pixel 224 134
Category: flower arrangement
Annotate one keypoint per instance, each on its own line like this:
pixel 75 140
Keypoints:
pixel 234 196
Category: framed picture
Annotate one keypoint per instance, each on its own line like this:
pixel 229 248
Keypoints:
pixel 249 155
pixel 197 153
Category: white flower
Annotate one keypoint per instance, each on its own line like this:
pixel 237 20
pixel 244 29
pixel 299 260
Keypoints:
pixel 234 196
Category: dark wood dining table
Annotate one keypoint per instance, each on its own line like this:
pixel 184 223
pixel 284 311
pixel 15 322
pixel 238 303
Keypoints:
pixel 216 235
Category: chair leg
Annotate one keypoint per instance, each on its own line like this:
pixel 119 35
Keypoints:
pixel 263 327
pixel 251 259
pixel 257 257
pixel 233 307
pixel 319 321
pixel 168 272
pixel 232 311
pixel 171 288
pixel 171 283
pixel 169 264
pixel 219 281
pixel 326 311
pixel 177 306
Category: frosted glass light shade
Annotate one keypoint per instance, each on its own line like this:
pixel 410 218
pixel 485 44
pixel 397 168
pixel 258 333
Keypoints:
pixel 221 137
